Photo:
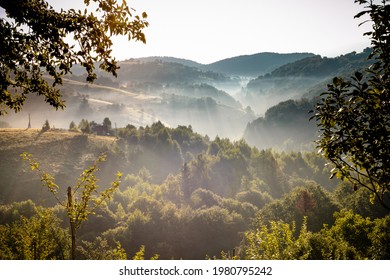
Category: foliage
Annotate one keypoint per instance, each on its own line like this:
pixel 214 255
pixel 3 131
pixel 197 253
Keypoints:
pixel 204 198
pixel 351 237
pixel 254 197
pixel 83 199
pixel 140 255
pixel 28 55
pixel 38 237
pixel 13 212
pixel 380 239
pixel 46 126
pixel 276 242
pixel 358 201
pixel 354 116
pixel 107 123
pixel 183 232
pixel 264 166
pixel 310 201
pixel 195 208
pixel 348 238
pixel 307 166
pixel 73 126
pixel 285 126
pixel 100 250
pixel 84 126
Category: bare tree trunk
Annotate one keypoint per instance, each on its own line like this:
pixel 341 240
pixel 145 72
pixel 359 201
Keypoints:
pixel 72 226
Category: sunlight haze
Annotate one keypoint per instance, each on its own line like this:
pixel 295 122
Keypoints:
pixel 207 31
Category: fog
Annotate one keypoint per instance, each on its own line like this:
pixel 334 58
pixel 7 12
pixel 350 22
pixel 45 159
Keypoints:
pixel 213 104
pixel 206 115
pixel 265 92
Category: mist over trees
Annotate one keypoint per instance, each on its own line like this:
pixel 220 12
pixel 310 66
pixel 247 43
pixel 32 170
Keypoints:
pixel 200 161
pixel 194 190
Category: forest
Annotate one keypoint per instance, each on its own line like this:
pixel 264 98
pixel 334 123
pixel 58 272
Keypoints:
pixel 267 156
pixel 183 196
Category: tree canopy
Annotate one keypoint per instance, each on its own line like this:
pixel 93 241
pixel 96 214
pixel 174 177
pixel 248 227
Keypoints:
pixel 35 45
pixel 354 115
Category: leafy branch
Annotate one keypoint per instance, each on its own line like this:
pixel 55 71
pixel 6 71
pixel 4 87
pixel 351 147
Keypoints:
pixel 354 115
pixel 83 199
pixel 43 49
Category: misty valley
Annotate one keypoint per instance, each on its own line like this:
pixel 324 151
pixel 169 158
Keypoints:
pixel 217 161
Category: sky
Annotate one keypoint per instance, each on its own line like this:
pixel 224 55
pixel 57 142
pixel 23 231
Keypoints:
pixel 210 30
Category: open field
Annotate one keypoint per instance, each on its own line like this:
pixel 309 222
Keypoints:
pixel 61 153
pixel 17 138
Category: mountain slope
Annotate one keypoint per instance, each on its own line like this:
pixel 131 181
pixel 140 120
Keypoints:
pixel 285 126
pixel 186 62
pixel 160 71
pixel 254 65
pixel 243 65
pixel 294 80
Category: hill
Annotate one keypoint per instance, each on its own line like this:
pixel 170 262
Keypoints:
pixel 296 79
pixel 285 126
pixel 165 72
pixel 244 65
pixel 152 89
pixel 317 66
pixel 140 103
pixel 255 64
pixel 186 62
pixel 62 153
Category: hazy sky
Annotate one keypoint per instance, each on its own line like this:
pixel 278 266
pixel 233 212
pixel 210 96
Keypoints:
pixel 210 30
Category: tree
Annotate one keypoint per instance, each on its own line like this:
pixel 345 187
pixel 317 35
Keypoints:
pixel 276 242
pixel 83 199
pixel 34 45
pixel 350 237
pixel 46 126
pixel 38 237
pixel 73 126
pixel 185 181
pixel 84 126
pixel 354 116
pixel 107 125
pixel 99 249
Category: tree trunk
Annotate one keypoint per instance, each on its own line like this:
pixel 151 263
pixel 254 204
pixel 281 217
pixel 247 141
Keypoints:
pixel 72 226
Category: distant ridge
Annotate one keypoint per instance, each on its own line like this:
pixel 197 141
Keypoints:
pixel 186 62
pixel 244 65
pixel 256 64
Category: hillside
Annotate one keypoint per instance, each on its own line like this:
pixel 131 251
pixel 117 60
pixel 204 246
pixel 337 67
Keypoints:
pixel 165 72
pixel 201 105
pixel 285 126
pixel 318 66
pixel 294 80
pixel 244 65
pixel 62 153
pixel 254 65
pixel 186 62
pixel 169 90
